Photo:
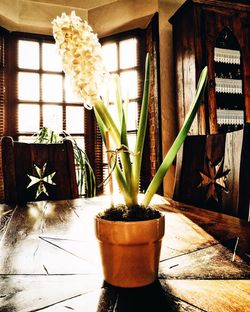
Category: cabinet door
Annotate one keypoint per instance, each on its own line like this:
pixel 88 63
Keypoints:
pixel 224 39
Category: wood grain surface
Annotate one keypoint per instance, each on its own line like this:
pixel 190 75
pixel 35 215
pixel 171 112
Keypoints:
pixel 49 261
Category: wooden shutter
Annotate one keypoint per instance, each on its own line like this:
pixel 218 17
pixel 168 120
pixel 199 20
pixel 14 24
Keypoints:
pixel 93 147
pixel 3 96
pixel 153 149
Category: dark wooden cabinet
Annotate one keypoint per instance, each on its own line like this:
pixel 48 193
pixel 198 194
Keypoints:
pixel 217 34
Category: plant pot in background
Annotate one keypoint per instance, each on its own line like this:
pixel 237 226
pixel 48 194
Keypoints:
pixel 130 251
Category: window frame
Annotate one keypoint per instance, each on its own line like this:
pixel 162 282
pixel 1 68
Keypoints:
pixel 12 109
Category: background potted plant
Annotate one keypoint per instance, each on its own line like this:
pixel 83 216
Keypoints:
pixel 129 234
pixel 84 172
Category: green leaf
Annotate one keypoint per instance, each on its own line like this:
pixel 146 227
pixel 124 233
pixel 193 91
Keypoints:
pixel 108 122
pixel 136 167
pixel 118 98
pixel 157 180
pixel 100 125
pixel 120 175
pixel 124 156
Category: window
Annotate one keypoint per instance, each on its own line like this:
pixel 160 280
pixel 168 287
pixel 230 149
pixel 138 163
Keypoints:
pixel 122 56
pixel 44 94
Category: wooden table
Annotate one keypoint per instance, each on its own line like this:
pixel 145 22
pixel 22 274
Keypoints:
pixel 49 261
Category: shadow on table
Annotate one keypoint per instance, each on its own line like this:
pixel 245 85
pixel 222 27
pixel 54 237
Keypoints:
pixel 151 298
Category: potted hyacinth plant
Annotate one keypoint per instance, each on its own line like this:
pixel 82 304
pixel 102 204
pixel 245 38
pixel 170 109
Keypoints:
pixel 129 234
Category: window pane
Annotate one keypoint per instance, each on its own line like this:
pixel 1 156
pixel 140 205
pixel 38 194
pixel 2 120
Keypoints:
pixel 52 117
pixel 108 92
pixel 129 82
pixel 109 52
pixel 28 118
pixel 26 139
pixel 52 88
pixel 113 112
pixel 28 54
pixel 128 53
pixel 74 119
pixel 50 57
pixel 80 142
pixel 70 95
pixel 28 86
pixel 132 116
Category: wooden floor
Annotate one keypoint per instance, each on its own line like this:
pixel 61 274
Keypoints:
pixel 49 261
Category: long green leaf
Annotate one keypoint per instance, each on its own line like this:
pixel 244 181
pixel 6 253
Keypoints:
pixel 118 98
pixel 124 156
pixel 122 183
pixel 157 180
pixel 108 122
pixel 100 125
pixel 136 167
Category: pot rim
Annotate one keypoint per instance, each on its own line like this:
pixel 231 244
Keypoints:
pixel 99 219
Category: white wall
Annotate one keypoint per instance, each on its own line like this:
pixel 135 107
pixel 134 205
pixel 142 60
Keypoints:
pixel 30 16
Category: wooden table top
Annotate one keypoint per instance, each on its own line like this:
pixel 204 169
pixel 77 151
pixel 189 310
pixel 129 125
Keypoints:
pixel 49 261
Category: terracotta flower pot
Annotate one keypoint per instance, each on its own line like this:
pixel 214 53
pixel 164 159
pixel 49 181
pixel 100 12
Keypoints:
pixel 130 251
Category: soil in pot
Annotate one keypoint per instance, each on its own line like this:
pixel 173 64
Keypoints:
pixel 127 214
